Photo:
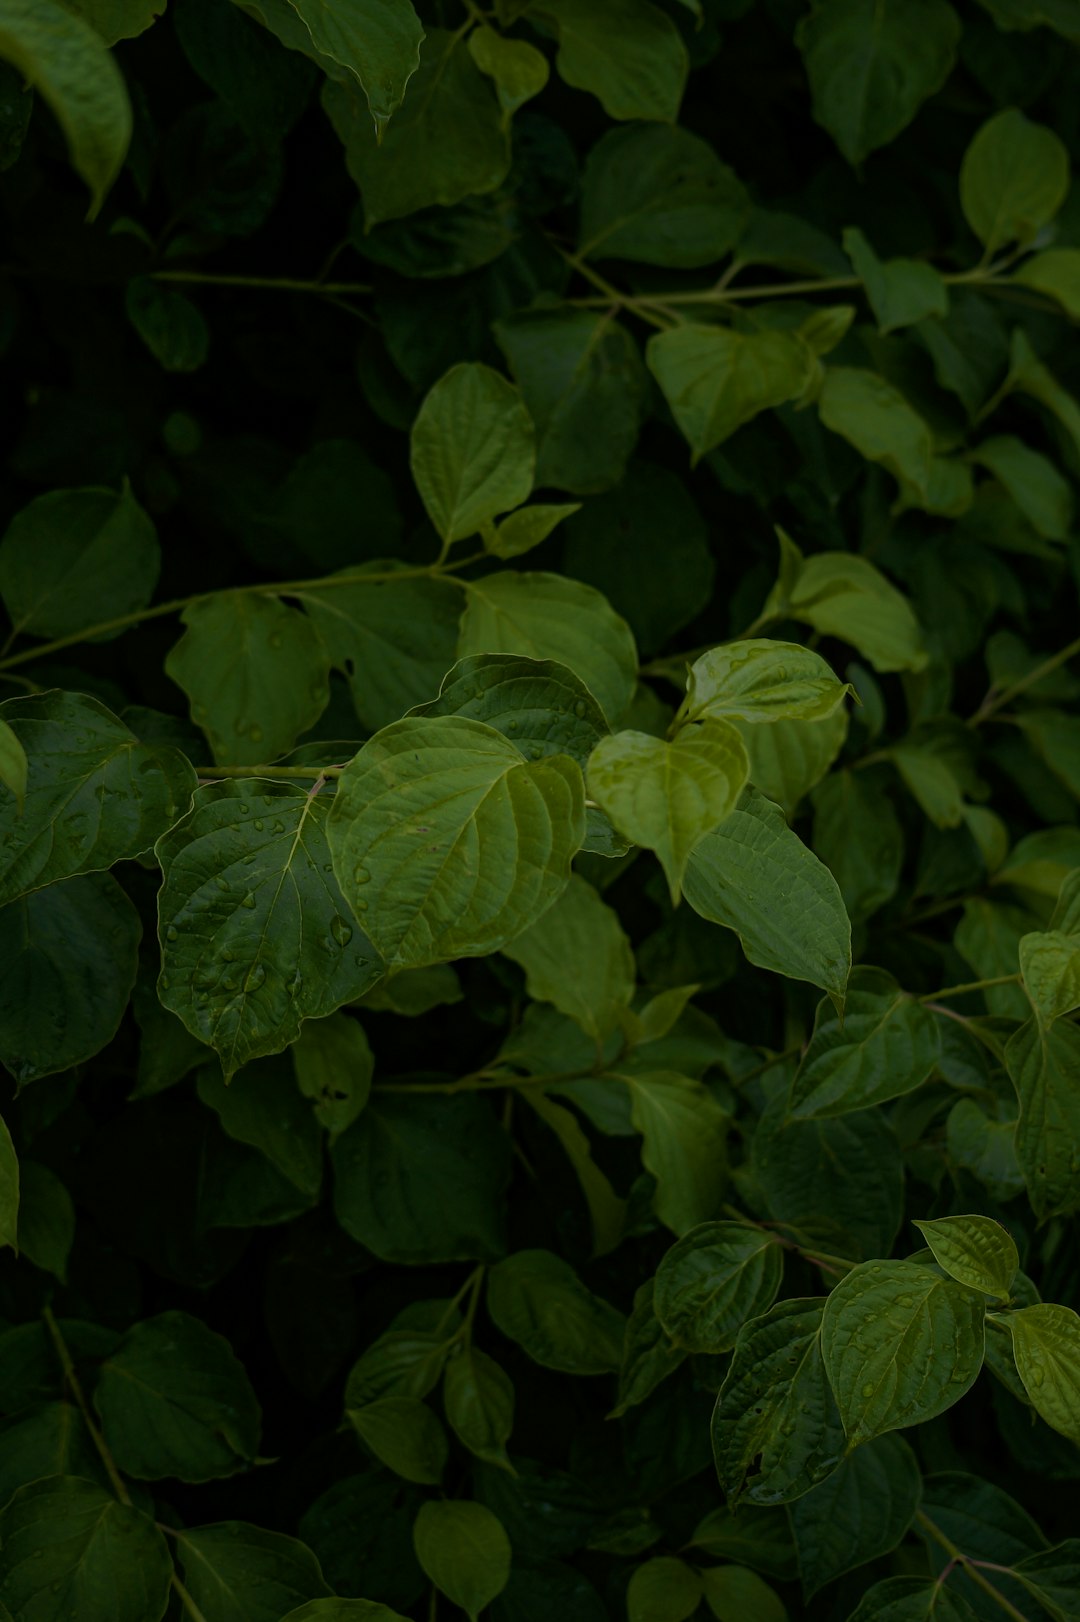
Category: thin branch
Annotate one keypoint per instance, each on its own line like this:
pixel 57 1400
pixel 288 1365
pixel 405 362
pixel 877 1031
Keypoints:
pixel 970 985
pixel 995 701
pixel 958 1558
pixel 71 1379
pixel 270 284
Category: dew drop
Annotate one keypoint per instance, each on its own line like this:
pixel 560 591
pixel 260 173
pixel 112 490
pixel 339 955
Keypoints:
pixel 361 876
pixel 341 931
pixel 255 734
pixel 256 977
pixel 248 901
pixel 277 826
pixel 1038 1375
pixel 580 709
pixel 361 906
pixel 903 1301
pixel 243 808
pixel 258 825
pixel 221 882
pixel 268 800
pixel 164 982
pixel 172 933
pixel 511 726
pixel 203 998
pixel 868 1390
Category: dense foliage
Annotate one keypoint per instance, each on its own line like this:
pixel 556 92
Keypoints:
pixel 537 537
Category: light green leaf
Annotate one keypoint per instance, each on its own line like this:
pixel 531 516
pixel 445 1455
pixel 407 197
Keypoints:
pixel 912 1599
pixel 737 1595
pixel 586 388
pixel 872 63
pixel 519 70
pixel 776 1430
pixel 759 680
pixel 841 594
pixel 660 196
pixel 901 1345
pixel 13 766
pixel 9 1190
pixel 627 53
pixel 714 1280
pixel 464 1550
pixel 234 1571
pixel 537 1300
pixel 447 142
pixel 526 528
pixel 174 1401
pixel 421 1180
pixel 886 1045
pixel 975 1251
pixel 685 1145
pixel 334 1065
pixel 70 956
pixel 479 1399
pixel 901 291
pixel 472 451
pixel 861 1512
pixel 46 1223
pixel 69 1548
pixel 255 671
pixel 1034 483
pixel 255 934
pixel 668 796
pixel 547 616
pixel 788 758
pixel 578 957
pixel 715 379
pixel 1046 1346
pixel 875 417
pixel 649 1355
pixel 66 62
pixel 1044 1063
pixel 394 639
pixel 606 1210
pixel 263 1107
pixel 405 1435
pixel 1013 180
pixel 169 324
pixel 663 1590
pixel 74 558
pixel 496 836
pixel 753 875
pixel 376 41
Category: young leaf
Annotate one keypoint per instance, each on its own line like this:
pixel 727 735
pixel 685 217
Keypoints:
pixel 377 42
pixel 473 806
pixel 788 758
pixel 901 291
pixel 663 1590
pixel 405 1435
pixel 578 957
pixel 627 53
pixel 465 1551
pixel 685 1134
pixel 875 417
pixel 901 1344
pixel 232 1569
pixel 1013 180
pixel 472 451
pixel 886 1045
pixel 169 324
pixel 255 934
pixel 668 796
pixel 715 379
pixel 537 1300
pixel 757 680
pixel 859 1513
pixel 537 703
pixel 734 1594
pixel 334 1065
pixel 527 528
pixel 479 1399
pixel 519 70
pixel 1046 1345
pixel 717 1278
pixel 66 62
pixel 975 1251
pixel 843 595
pixel 69 1548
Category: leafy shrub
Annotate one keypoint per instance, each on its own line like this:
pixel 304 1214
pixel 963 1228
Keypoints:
pixel 537 538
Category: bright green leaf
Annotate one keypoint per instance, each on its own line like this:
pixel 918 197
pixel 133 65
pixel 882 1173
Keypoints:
pixel 578 957
pixel 663 1590
pixel 759 680
pixel 627 53
pixel 875 417
pixel 975 1251
pixel 901 291
pixel 376 41
pixel 465 1551
pixel 472 451
pixel 715 379
pixel 519 70
pixel 526 528
pixel 685 1144
pixel 14 768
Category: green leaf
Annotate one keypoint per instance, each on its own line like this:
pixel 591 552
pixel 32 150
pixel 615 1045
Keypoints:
pixel 759 1538
pixel 886 1045
pixel 344 1610
pixel 255 934
pixel 663 1590
pixel 649 1355
pixel 239 1573
pixel 975 1251
pixel 447 142
pixel 802 931
pixel 901 1345
pixel 394 639
pixel 901 291
pixel 1013 180
pixel 861 1512
pixel 376 41
pixel 912 1599
pixel 70 1549
pixel 546 616
pixel 9 1189
pixel 478 807
pixel 74 558
pixel 715 379
pixel 405 1435
pixel 985 1147
pixel 1034 483
pixel 627 53
pixel 875 417
pixel 586 388
pixel 49 1439
pixel 479 1399
pixel 472 451
pixel 519 70
pixel 255 671
pixel 14 768
pixel 660 196
pixel 1043 1063
pixel 263 1107
pixel 759 680
pixel 70 956
pixel 120 19
pixel 872 63
pixel 685 1144
pixel 66 62
pixel 420 1180
pixel 1029 376
pixel 1046 1345
pixel 713 1281
pixel 668 796
pixel 858 836
pixel 527 528
pixel 843 595
pixel 776 1430
pixel 412 992
pixel 174 1401
pixel 169 324
pixel 788 758
pixel 334 1065
pixel 607 1211
pixel 1052 1576
pixel 538 704
pixel 578 957
pixel 465 1551
pixel 537 1300
pixel 737 1595
pixel 46 1224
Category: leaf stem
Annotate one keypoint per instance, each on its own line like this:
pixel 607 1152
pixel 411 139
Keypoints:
pixel 308 773
pixel 116 1480
pixel 270 284
pixel 969 1567
pixel 970 985
pixel 993 702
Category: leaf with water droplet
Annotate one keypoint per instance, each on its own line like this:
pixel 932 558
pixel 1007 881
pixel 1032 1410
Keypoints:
pixel 334 1065
pixel 975 1250
pixel 1046 1346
